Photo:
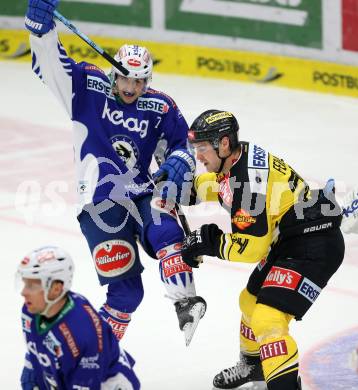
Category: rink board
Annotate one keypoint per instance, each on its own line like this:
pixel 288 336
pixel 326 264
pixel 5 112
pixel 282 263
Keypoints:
pixel 207 62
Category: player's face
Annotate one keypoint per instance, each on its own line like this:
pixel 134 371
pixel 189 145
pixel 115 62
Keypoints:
pixel 206 154
pixel 130 89
pixel 34 295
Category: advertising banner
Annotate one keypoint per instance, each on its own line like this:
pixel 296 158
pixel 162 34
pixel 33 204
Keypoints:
pixel 124 12
pixel 350 25
pixel 298 22
pixel 264 69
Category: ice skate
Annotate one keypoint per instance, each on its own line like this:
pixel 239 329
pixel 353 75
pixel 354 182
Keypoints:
pixel 247 371
pixel 189 312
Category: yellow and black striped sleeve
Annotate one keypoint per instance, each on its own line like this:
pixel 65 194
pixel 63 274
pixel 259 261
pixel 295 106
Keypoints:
pixel 243 247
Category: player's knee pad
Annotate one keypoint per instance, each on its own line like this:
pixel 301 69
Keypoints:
pixel 278 350
pixel 247 303
pixel 166 233
pixel 123 298
pixel 125 295
pixel 266 322
pixel 175 274
pixel 248 343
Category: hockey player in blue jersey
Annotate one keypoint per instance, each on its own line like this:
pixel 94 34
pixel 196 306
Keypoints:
pixel 118 122
pixel 69 345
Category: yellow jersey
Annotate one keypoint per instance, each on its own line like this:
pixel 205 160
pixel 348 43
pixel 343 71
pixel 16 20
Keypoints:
pixel 258 191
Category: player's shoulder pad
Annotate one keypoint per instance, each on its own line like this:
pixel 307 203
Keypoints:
pixel 82 328
pixel 207 177
pixel 161 95
pixel 258 158
pixel 91 68
pixel 206 186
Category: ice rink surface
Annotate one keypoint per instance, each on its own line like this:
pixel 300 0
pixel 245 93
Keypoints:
pixel 317 134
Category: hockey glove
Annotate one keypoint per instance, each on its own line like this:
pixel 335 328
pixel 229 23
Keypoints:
pixel 39 16
pixel 203 241
pixel 177 168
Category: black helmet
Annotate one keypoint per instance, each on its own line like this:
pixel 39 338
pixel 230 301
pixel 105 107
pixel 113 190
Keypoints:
pixel 212 126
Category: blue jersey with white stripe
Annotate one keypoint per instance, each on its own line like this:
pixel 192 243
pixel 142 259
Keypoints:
pixel 77 350
pixel 114 142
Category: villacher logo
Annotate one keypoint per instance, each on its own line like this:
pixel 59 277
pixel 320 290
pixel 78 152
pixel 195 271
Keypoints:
pixel 113 257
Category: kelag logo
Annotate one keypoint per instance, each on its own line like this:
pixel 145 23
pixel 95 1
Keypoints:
pixel 301 20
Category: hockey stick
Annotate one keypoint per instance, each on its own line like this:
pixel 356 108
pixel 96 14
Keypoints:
pixel 180 213
pixel 182 218
pixel 89 41
pixel 198 310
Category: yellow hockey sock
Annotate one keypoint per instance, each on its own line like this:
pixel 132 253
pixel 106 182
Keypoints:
pixel 278 350
pixel 279 356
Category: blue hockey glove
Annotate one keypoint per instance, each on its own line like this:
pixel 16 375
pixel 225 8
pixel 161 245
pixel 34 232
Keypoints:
pixel 177 168
pixel 203 241
pixel 39 16
pixel 28 380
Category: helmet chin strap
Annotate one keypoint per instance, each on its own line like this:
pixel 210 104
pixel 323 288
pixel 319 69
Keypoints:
pixel 50 303
pixel 222 159
pixel 215 145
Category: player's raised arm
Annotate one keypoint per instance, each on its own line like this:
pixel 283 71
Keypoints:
pixel 49 59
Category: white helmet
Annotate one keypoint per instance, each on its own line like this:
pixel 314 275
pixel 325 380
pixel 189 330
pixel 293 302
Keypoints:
pixel 48 264
pixel 136 59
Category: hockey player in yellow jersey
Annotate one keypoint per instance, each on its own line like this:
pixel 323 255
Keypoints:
pixel 292 232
